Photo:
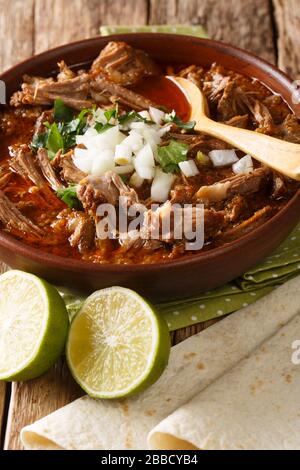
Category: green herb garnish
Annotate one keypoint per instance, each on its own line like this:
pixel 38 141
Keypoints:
pixel 62 112
pixel 55 140
pixel 111 113
pixel 39 141
pixel 69 196
pixel 172 117
pixel 170 155
pixel 102 127
pixel 132 116
pixel 61 135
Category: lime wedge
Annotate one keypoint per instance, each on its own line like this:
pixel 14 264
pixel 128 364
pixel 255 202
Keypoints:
pixel 33 326
pixel 118 344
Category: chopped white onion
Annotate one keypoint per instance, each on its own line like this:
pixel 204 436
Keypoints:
pixel 145 156
pixel 103 162
pixel 146 172
pixel 83 163
pixel 79 152
pixel 90 132
pixel 223 157
pixel 135 180
pixel 123 154
pixel 161 185
pixel 151 137
pixel 137 125
pixel 114 150
pixel 145 115
pixel 81 140
pixel 163 130
pixel 134 140
pixel 188 168
pixel 124 169
pixel 156 115
pixel 84 139
pixel 106 140
pixel 244 165
pixel 99 116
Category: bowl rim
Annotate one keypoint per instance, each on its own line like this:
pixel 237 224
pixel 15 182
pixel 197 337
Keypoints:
pixel 78 265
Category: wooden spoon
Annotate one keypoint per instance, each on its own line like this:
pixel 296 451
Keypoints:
pixel 278 154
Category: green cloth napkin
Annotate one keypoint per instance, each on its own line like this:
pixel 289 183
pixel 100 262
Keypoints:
pixel 283 264
pixel 174 28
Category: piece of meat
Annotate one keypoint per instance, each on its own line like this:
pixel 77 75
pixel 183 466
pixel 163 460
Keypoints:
pixel 260 112
pixel 45 116
pixel 95 190
pixel 47 169
pixel 202 142
pixel 290 129
pixel 101 86
pixel 277 107
pixel 279 188
pixel 69 171
pixel 65 73
pixel 124 190
pixel 123 65
pixel 257 219
pixel 168 221
pixel 43 91
pixel 240 184
pixel 214 86
pixel 194 73
pixel 23 163
pixel 132 240
pixel 5 176
pixel 182 194
pixel 238 121
pixel 231 102
pixel 235 207
pixel 214 221
pixel 83 228
pixel 13 219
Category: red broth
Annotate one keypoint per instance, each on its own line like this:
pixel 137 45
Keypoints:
pixel 165 92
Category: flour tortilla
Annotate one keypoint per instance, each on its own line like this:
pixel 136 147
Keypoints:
pixel 255 406
pixel 194 364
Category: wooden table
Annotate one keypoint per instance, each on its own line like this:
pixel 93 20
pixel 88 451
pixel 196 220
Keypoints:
pixel 265 27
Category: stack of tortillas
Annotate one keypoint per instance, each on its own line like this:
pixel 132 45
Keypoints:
pixel 235 385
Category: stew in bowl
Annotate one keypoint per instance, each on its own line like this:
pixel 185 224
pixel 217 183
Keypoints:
pixel 118 133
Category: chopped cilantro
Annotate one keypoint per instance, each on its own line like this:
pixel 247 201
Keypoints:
pixel 102 127
pixel 170 155
pixel 172 117
pixel 132 116
pixel 111 113
pixel 62 112
pixel 68 196
pixel 62 133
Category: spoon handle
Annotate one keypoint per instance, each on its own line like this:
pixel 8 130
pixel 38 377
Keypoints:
pixel 278 154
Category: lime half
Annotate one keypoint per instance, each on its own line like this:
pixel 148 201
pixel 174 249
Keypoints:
pixel 33 326
pixel 118 344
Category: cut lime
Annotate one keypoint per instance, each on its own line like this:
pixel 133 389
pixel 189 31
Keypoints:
pixel 33 326
pixel 118 344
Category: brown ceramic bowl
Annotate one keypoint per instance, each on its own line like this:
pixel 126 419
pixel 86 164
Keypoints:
pixel 179 278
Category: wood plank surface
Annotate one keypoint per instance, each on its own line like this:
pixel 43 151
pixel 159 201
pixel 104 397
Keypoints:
pixel 16 31
pixel 58 22
pixel 287 13
pixel 244 23
pixel 31 26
